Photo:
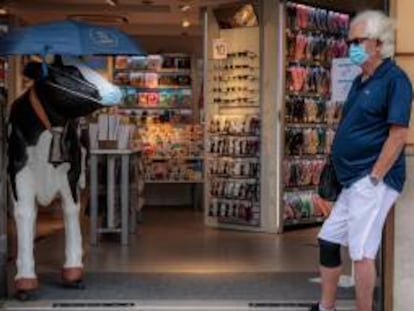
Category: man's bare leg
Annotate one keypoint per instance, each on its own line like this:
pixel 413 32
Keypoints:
pixel 365 276
pixel 330 279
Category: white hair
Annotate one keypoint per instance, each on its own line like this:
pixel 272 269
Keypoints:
pixel 378 26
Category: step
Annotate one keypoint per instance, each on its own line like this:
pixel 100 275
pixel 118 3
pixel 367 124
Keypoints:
pixel 181 305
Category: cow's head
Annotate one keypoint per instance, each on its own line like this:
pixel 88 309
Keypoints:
pixel 71 91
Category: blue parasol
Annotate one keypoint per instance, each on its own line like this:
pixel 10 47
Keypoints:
pixel 68 38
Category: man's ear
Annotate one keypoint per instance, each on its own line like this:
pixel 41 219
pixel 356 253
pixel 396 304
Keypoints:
pixel 33 70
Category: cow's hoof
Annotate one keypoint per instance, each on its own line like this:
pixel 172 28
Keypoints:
pixel 72 274
pixel 74 285
pixel 25 295
pixel 25 288
pixel 72 278
pixel 26 284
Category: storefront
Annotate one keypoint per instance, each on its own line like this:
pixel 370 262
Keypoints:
pixel 222 130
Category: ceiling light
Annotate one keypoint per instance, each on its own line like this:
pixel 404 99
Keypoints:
pixel 185 7
pixel 185 23
pixel 112 2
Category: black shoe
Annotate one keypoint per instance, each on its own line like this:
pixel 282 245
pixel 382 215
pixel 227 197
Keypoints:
pixel 315 307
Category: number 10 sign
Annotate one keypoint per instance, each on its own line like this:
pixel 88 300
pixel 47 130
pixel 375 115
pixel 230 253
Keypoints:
pixel 219 49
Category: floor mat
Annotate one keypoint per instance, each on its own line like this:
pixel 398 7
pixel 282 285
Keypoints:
pixel 190 286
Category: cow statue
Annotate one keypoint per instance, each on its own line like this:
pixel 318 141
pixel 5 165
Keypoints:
pixel 45 156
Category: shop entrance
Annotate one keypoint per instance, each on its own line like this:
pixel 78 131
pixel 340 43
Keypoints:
pixel 196 239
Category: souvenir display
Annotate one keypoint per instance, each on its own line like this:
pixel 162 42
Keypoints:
pixel 158 95
pixel 314 37
pixel 154 80
pixel 304 207
pixel 234 168
pixel 172 148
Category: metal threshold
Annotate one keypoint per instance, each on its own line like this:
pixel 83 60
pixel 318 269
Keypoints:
pixel 173 305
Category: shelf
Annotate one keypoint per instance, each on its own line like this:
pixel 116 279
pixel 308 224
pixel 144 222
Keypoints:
pixel 158 88
pixel 161 71
pixel 303 221
pixel 235 135
pixel 306 156
pixel 309 63
pixel 229 106
pixel 157 108
pixel 233 199
pixel 301 188
pixel 304 124
pixel 189 158
pixel 213 155
pixel 219 176
pixel 317 31
pixel 306 94
pixel 174 181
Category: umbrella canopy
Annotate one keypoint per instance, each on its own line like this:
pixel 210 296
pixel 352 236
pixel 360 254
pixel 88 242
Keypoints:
pixel 68 38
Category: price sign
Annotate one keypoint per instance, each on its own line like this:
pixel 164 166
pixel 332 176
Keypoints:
pixel 343 73
pixel 219 49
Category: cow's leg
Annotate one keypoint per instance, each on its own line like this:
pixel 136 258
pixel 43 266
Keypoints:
pixel 25 211
pixel 72 271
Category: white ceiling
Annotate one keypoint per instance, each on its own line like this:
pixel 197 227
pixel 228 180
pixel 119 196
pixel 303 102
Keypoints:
pixel 162 17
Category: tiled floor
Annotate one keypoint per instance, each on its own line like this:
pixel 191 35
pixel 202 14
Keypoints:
pixel 172 240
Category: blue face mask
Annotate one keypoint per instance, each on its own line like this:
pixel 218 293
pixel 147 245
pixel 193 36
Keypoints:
pixel 357 54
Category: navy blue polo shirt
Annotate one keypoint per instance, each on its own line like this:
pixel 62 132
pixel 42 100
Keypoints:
pixel 371 108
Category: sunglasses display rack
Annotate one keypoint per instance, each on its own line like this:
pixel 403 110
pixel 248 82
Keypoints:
pixel 313 37
pixel 233 134
pixel 158 97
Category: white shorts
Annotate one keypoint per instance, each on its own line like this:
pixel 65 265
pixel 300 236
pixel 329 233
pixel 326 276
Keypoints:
pixel 358 218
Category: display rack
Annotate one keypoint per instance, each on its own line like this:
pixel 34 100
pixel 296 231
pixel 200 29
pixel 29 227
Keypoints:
pixel 158 93
pixel 155 81
pixel 314 37
pixel 233 133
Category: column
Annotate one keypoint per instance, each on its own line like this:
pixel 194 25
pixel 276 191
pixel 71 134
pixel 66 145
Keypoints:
pixel 403 282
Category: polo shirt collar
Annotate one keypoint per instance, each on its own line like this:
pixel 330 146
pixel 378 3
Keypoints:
pixel 382 69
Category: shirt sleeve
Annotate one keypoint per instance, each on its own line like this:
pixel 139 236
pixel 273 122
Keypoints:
pixel 400 97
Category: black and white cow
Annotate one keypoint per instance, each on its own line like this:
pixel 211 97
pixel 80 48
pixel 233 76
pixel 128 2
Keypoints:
pixel 44 155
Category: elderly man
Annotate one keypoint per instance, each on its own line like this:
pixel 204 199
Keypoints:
pixel 368 157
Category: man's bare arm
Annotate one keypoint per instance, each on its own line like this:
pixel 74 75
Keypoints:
pixel 390 151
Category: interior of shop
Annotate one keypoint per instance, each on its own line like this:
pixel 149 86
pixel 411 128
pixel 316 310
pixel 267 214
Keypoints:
pixel 224 154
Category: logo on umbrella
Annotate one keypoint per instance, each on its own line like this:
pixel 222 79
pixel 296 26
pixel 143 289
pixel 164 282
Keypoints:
pixel 101 37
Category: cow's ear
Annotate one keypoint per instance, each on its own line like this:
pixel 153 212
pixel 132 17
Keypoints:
pixel 33 70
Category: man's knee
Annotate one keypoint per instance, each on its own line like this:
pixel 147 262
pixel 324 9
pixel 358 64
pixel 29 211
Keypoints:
pixel 330 254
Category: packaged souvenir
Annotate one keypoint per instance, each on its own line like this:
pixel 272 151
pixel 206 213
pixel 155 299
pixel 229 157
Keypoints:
pixel 121 62
pixel 138 63
pixel 151 80
pixel 164 99
pixel 152 99
pixel 121 78
pixel 183 62
pixel 154 62
pixel 143 99
pixel 137 79
pixel 168 62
